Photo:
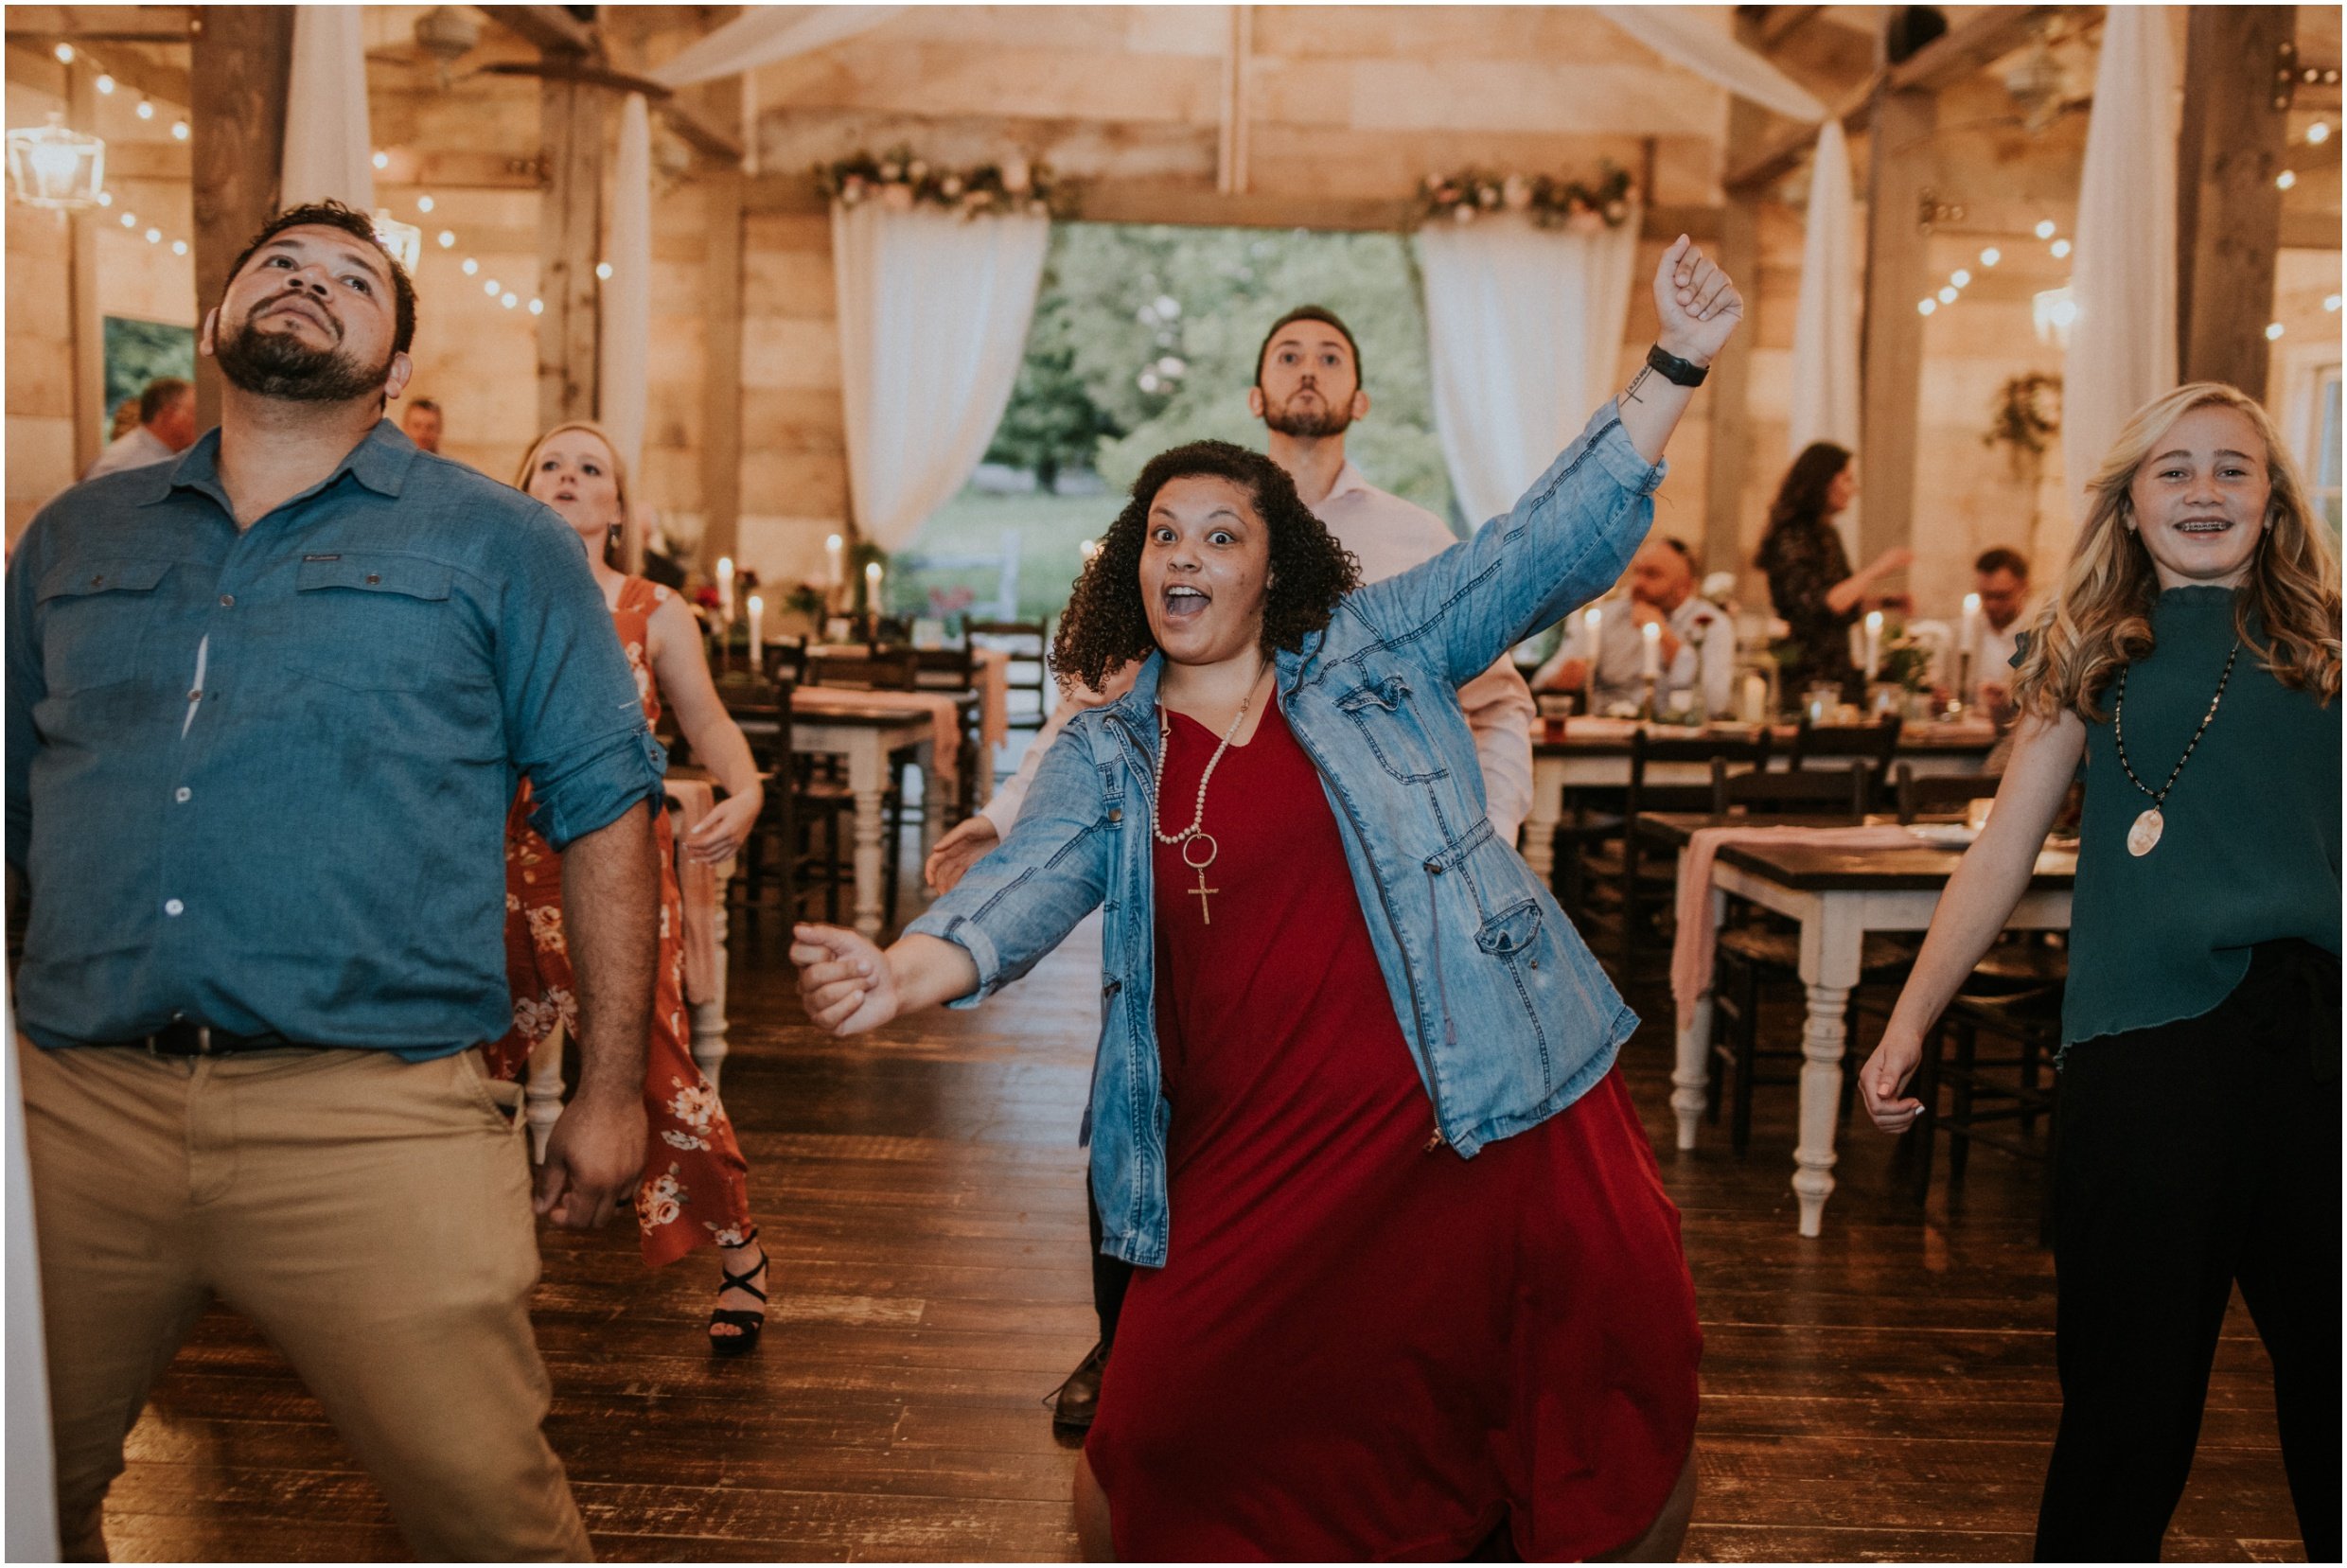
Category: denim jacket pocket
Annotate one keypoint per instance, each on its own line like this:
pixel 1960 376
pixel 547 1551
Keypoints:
pixel 373 623
pixel 95 617
pixel 1382 715
pixel 1512 932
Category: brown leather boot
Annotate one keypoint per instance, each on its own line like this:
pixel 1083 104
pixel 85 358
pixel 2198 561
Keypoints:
pixel 1078 1399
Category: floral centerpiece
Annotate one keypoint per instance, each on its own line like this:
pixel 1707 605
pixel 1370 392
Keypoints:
pixel 1548 200
pixel 900 181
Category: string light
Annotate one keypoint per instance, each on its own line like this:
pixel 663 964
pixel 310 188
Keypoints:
pixel 471 266
pixel 2274 331
pixel 145 110
pixel 508 300
pixel 603 270
pixel 2061 249
pixel 179 130
pixel 2319 133
pixel 1925 306
pixel 2331 304
pixel 1948 296
pixel 491 289
pixel 1960 278
pixel 130 220
pixel 537 308
pixel 1990 256
pixel 105 198
pixel 2045 228
pixel 446 238
pixel 382 159
pixel 423 204
pixel 65 54
pixel 179 247
pixel 154 237
pixel 105 85
pixel 2285 179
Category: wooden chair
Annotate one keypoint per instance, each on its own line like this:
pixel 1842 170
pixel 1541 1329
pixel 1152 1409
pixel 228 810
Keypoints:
pixel 1872 744
pixel 2020 960
pixel 1988 1093
pixel 875 667
pixel 1642 885
pixel 1029 645
pixel 1751 955
pixel 1919 795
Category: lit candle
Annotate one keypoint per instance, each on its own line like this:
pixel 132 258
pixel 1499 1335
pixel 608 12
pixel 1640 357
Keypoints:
pixel 835 561
pixel 1651 650
pixel 1970 646
pixel 757 643
pixel 1589 670
pixel 1874 643
pixel 725 588
pixel 871 587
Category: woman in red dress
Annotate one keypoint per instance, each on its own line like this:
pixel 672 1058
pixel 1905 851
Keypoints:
pixel 1351 1343
pixel 695 1192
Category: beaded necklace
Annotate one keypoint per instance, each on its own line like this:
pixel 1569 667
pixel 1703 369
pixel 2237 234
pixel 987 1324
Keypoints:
pixel 2143 836
pixel 1195 833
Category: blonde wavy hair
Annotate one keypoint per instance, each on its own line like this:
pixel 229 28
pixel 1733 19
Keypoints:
pixel 2100 617
pixel 627 554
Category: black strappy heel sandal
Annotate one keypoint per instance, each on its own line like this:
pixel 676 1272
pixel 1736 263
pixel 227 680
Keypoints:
pixel 747 1323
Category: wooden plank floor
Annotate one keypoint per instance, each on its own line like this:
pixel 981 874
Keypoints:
pixel 1886 1392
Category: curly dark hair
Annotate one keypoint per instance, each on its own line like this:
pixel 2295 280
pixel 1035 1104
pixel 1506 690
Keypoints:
pixel 1105 624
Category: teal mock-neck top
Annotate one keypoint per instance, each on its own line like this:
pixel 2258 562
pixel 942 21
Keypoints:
pixel 2250 852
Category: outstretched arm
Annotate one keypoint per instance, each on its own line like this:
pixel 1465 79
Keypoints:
pixel 849 986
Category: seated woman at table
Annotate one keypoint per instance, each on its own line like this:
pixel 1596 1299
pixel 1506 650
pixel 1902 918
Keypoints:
pixel 2191 662
pixel 695 1192
pixel 1810 583
pixel 1409 1277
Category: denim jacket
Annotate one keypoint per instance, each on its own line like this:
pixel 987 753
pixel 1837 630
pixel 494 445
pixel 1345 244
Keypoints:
pixel 1505 1013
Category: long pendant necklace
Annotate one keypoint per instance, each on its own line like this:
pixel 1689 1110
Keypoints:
pixel 2144 834
pixel 1195 833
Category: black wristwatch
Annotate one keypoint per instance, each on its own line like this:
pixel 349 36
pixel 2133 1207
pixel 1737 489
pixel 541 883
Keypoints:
pixel 1675 370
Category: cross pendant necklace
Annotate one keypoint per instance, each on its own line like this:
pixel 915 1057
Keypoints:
pixel 1194 837
pixel 1201 892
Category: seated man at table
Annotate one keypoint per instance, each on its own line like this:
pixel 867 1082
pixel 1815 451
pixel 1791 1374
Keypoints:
pixel 2000 578
pixel 1697 640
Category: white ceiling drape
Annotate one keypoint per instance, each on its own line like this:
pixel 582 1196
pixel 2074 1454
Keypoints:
pixel 2122 351
pixel 625 349
pixel 764 34
pixel 1825 321
pixel 327 156
pixel 1682 35
pixel 1524 329
pixel 934 316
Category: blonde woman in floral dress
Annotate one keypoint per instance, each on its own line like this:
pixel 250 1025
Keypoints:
pixel 695 1190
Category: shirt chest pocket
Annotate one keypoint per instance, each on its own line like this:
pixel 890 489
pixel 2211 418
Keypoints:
pixel 372 622
pixel 1382 716
pixel 96 616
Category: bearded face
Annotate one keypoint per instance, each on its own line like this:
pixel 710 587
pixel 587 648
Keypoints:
pixel 292 347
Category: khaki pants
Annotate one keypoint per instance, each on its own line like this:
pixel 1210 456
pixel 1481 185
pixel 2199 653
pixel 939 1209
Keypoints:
pixel 372 1216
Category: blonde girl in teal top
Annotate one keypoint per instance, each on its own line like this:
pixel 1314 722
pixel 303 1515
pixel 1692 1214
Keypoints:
pixel 2189 667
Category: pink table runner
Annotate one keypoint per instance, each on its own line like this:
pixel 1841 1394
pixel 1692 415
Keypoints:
pixel 1692 950
pixel 993 667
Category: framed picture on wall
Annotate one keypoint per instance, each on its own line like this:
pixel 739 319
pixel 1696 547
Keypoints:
pixel 138 352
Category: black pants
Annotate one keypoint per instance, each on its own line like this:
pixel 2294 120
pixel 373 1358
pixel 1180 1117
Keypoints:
pixel 1110 1275
pixel 2192 1157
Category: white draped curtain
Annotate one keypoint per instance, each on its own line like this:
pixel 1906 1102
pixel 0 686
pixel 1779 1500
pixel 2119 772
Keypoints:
pixel 2122 350
pixel 933 317
pixel 625 348
pixel 1692 37
pixel 1826 322
pixel 327 156
pixel 1524 329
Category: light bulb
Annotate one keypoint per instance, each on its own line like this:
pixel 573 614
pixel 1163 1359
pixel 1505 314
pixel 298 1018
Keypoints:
pixel 446 238
pixel 1961 279
pixel 130 220
pixel 2330 303
pixel 2045 228
pixel 65 54
pixel 1925 307
pixel 382 160
pixel 179 130
pixel 1990 256
pixel 603 270
pixel 471 266
pixel 490 288
pixel 507 300
pixel 2274 331
pixel 154 237
pixel 1948 296
pixel 423 204
pixel 179 247
pixel 2319 133
pixel 2060 249
pixel 537 308
pixel 145 110
pixel 105 85
pixel 2285 179
pixel 105 198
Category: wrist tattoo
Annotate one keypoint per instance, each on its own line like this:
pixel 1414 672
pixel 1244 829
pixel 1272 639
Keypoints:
pixel 1629 393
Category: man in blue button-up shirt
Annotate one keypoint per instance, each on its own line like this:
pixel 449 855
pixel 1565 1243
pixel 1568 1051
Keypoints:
pixel 266 708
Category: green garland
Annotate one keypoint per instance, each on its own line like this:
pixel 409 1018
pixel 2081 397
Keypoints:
pixel 899 180
pixel 1548 200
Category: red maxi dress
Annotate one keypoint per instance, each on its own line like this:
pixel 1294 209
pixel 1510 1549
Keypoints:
pixel 1359 1350
pixel 695 1187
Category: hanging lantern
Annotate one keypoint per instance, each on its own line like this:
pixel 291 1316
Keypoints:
pixel 405 241
pixel 56 168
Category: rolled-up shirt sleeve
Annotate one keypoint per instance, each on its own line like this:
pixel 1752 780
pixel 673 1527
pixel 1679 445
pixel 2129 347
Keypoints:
pixel 573 716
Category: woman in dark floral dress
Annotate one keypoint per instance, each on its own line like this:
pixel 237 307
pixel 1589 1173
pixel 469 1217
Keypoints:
pixel 1810 582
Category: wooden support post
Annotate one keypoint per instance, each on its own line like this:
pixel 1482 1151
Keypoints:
pixel 88 324
pixel 1897 270
pixel 2228 210
pixel 721 362
pixel 1730 411
pixel 569 241
pixel 240 61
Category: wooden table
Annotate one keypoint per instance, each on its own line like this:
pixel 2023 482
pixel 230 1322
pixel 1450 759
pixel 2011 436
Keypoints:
pixel 867 736
pixel 1595 754
pixel 1838 896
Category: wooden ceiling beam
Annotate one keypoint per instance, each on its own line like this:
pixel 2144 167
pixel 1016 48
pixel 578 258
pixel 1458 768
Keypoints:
pixel 551 28
pixel 101 24
pixel 1785 21
pixel 703 136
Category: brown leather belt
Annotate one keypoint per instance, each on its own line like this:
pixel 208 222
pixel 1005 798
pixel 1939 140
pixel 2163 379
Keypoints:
pixel 180 1038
